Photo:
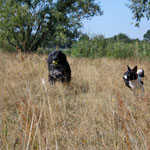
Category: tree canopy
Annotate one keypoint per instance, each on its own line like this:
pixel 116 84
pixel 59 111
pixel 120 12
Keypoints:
pixel 147 36
pixel 26 24
pixel 140 9
pixel 121 37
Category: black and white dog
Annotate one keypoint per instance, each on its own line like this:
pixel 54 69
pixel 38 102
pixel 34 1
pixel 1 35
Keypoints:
pixel 132 79
pixel 58 67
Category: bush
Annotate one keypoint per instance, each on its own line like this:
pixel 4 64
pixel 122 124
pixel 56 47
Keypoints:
pixel 145 49
pixel 120 50
pixel 90 48
pixel 101 47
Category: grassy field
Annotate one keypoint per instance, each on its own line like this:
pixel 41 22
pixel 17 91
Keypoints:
pixel 95 112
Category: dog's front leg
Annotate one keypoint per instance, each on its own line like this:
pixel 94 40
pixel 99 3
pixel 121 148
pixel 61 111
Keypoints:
pixel 141 86
pixel 143 92
pixel 51 81
pixel 134 91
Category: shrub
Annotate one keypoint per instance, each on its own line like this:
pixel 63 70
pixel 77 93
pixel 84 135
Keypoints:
pixel 120 50
pixel 98 46
pixel 93 48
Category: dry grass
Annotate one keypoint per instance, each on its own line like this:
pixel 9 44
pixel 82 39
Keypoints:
pixel 96 111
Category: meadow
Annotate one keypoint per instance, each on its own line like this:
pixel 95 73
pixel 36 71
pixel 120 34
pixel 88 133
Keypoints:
pixel 95 112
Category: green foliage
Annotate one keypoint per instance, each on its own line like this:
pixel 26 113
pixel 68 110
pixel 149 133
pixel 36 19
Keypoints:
pixel 145 49
pixel 5 46
pixel 120 50
pixel 94 47
pixel 121 37
pixel 147 36
pixel 98 46
pixel 26 24
pixel 84 36
pixel 140 9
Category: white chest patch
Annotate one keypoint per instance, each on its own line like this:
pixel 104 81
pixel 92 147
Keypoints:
pixel 133 84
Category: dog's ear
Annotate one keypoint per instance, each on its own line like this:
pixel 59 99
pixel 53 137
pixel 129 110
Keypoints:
pixel 135 69
pixel 129 69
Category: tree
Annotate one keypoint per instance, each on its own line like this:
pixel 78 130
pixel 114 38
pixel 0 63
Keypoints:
pixel 147 36
pixel 84 36
pixel 26 24
pixel 121 37
pixel 140 9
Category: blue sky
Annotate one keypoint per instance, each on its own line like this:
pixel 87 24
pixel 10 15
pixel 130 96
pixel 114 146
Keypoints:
pixel 117 18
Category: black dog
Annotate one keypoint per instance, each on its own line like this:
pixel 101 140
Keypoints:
pixel 132 78
pixel 58 67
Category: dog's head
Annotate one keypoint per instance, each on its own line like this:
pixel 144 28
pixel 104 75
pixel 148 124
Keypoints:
pixel 57 57
pixel 131 74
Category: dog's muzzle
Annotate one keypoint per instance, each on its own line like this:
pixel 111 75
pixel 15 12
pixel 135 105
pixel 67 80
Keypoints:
pixel 55 62
pixel 125 77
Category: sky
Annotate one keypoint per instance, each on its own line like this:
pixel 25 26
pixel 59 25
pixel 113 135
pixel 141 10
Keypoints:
pixel 117 18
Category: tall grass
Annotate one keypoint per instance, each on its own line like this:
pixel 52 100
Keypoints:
pixel 96 111
pixel 100 47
